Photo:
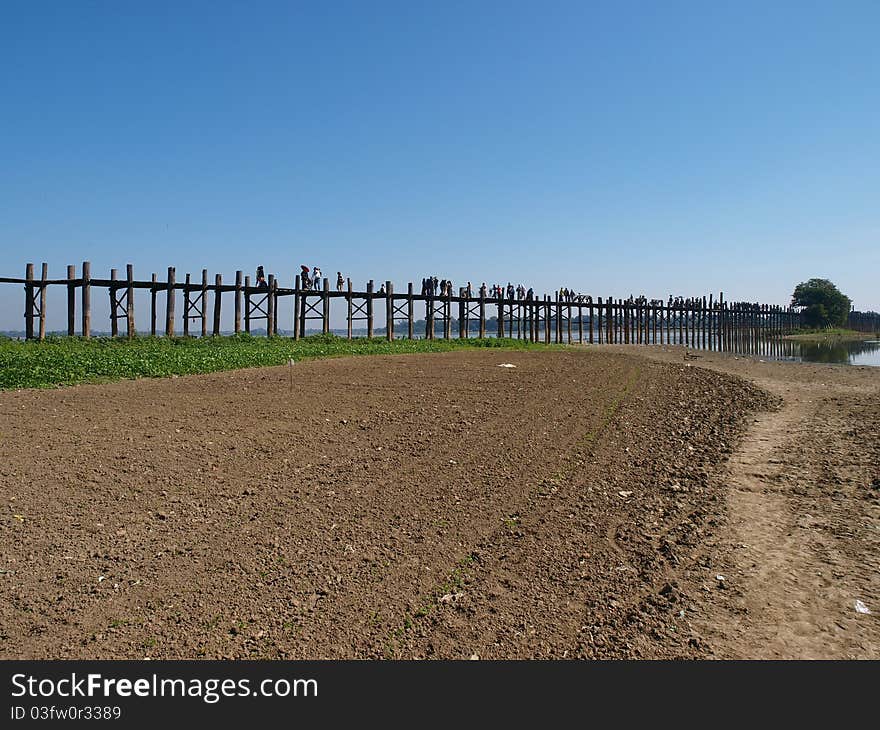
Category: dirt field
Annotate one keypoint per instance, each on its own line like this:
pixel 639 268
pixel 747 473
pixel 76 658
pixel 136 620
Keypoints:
pixel 578 505
pixel 799 540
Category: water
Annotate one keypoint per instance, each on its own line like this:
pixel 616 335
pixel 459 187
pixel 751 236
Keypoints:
pixel 859 352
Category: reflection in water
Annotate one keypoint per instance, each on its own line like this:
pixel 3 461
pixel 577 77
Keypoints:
pixel 847 352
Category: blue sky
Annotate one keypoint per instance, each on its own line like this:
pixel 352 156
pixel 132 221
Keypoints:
pixel 615 148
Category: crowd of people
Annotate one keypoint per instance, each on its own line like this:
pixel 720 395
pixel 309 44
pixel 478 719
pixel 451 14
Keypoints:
pixel 311 279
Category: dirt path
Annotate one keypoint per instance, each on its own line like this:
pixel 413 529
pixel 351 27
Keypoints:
pixel 802 540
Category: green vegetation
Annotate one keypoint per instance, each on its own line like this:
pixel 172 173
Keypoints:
pixel 823 304
pixel 832 333
pixel 69 360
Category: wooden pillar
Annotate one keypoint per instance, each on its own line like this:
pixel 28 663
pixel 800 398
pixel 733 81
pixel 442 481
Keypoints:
pixel 186 306
pixel 580 323
pixel 547 319
pixel 296 295
pixel 409 310
pixel 270 306
pixel 274 294
pixel 447 313
pixel 613 314
pixel 350 308
pixel 114 325
pixel 325 308
pixel 370 309
pixel 568 323
pixel 389 311
pixel 204 307
pixel 237 325
pixel 169 303
pixel 501 316
pixel 29 302
pixel 86 299
pixel 44 274
pixel 711 322
pixel 129 301
pixel 247 304
pixel 557 329
pixel 218 299
pixel 429 318
pixel 482 315
pixel 599 323
pixel 153 309
pixel 462 313
pixel 71 301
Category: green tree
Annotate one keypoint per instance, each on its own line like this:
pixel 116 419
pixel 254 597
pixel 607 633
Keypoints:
pixel 822 304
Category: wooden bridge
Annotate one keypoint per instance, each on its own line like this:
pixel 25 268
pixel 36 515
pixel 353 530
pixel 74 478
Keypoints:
pixel 704 322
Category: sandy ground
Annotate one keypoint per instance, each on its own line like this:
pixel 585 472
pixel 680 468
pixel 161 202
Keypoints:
pixel 800 543
pixel 580 504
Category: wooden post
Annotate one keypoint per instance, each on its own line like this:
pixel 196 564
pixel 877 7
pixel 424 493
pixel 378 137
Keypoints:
pixel 86 299
pixel 169 303
pixel 296 295
pixel 568 324
pixel 611 321
pixel 501 316
pixel 204 307
pixel 482 315
pixel 580 323
pixel 153 280
pixel 186 305
pixel 114 325
pixel 29 302
pixel 547 318
pixel 389 310
pixel 274 293
pixel 557 329
pixel 303 306
pixel 409 311
pixel 44 274
pixel 218 299
pixel 370 309
pixel 71 301
pixel 238 276
pixel 350 309
pixel 447 313
pixel 533 324
pixel 247 304
pixel 129 301
pixel 270 305
pixel 711 322
pixel 325 308
pixel 599 323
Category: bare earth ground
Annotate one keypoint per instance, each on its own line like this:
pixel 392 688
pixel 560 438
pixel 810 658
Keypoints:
pixel 800 541
pixel 578 505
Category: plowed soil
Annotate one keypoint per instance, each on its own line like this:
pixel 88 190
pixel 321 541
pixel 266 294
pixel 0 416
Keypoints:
pixel 798 538
pixel 402 506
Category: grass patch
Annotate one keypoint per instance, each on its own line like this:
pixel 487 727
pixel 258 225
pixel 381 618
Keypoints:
pixel 70 360
pixel 820 335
